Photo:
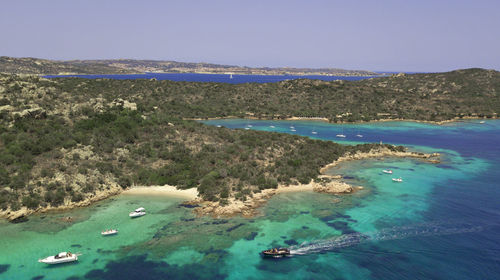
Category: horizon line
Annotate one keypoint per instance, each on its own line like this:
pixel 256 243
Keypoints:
pixel 244 66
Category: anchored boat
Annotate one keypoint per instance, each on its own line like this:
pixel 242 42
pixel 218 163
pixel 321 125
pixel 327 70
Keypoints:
pixel 109 232
pixel 137 212
pixel 387 171
pixel 276 253
pixel 399 180
pixel 62 257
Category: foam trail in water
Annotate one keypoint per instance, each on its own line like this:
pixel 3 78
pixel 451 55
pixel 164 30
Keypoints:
pixel 347 240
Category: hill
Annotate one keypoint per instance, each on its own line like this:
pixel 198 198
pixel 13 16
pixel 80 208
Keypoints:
pixel 48 67
pixel 426 97
pixel 131 66
pixel 70 141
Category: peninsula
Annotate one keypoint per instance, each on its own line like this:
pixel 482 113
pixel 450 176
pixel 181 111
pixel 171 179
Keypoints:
pixel 67 142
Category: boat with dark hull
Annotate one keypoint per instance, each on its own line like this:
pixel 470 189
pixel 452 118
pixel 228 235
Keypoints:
pixel 275 253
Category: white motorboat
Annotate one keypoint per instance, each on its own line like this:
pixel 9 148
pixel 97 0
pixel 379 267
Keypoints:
pixel 387 171
pixel 399 180
pixel 272 126
pixel 219 125
pixel 314 132
pixel 293 129
pixel 482 122
pixel 109 232
pixel 137 212
pixel 62 257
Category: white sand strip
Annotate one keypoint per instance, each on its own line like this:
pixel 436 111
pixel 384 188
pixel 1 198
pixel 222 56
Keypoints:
pixel 166 190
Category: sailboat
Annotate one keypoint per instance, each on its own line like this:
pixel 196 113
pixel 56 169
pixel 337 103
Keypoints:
pixel 341 135
pixel 231 76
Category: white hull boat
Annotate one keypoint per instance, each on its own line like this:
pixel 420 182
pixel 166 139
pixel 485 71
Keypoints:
pixel 62 257
pixel 398 180
pixel 387 171
pixel 340 135
pixel 137 212
pixel 109 232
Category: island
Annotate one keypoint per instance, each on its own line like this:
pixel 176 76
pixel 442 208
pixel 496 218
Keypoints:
pixel 68 142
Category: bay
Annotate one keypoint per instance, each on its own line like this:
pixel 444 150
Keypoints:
pixel 216 78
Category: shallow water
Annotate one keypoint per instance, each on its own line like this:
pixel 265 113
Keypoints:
pixel 441 222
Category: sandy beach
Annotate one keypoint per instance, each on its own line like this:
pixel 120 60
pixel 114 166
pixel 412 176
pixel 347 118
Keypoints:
pixel 166 190
pixel 250 207
pixel 332 185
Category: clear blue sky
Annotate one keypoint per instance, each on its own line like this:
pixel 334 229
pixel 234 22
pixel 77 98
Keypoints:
pixel 386 35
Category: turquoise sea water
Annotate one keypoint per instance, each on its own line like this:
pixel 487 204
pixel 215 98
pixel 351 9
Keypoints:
pixel 442 222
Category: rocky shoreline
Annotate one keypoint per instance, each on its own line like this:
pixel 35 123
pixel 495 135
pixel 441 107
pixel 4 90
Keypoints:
pixel 381 153
pixel 324 184
pixel 22 214
pixel 249 208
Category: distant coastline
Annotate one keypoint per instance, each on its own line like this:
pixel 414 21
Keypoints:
pixel 28 65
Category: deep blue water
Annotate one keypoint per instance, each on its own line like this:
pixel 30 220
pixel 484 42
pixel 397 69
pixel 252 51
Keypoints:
pixel 218 78
pixel 472 198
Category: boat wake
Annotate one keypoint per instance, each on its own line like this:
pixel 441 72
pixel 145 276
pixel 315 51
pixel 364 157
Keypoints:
pixel 394 233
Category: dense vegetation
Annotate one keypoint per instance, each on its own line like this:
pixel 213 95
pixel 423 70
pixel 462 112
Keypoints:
pixel 65 139
pixel 432 97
